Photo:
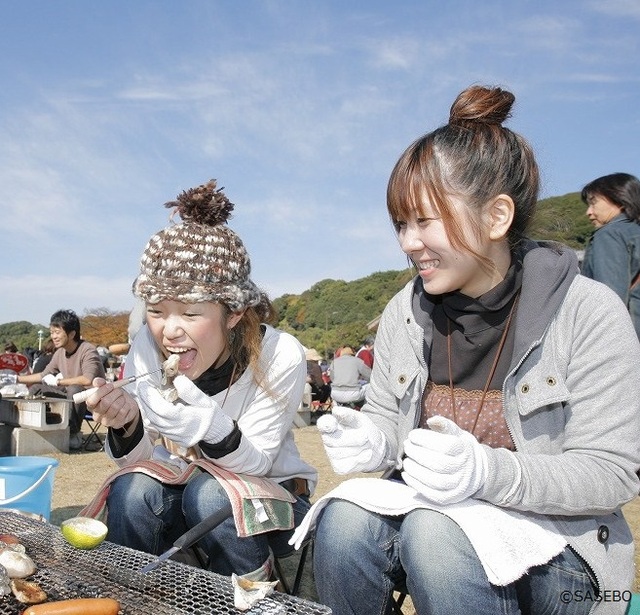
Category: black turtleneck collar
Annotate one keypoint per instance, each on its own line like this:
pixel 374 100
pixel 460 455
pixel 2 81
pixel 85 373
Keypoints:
pixel 215 379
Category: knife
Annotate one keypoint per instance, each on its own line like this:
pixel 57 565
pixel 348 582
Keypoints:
pixel 192 536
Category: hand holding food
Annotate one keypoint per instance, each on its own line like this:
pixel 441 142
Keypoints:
pixel 352 441
pixel 198 419
pixel 111 405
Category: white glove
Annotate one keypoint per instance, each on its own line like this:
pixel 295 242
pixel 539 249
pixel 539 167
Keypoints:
pixel 52 380
pixel 199 419
pixel 444 463
pixel 352 441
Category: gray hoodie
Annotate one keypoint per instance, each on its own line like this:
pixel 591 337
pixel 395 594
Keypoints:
pixel 571 400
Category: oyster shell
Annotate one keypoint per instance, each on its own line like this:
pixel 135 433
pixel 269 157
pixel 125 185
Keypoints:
pixel 170 368
pixel 5 586
pixel 169 372
pixel 18 565
pixel 246 592
pixel 27 592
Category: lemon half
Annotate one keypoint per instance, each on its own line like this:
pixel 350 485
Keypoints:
pixel 83 532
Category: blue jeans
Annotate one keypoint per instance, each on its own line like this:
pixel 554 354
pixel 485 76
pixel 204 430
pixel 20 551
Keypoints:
pixel 148 515
pixel 361 556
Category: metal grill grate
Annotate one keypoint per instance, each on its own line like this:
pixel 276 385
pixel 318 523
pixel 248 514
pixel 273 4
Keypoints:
pixel 113 571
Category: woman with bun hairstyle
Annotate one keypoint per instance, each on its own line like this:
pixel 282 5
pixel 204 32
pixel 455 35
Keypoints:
pixel 217 423
pixel 505 382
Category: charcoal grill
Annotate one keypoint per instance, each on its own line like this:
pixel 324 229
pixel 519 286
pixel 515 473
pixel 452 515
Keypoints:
pixel 112 571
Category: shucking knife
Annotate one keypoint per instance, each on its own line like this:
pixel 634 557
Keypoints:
pixel 192 536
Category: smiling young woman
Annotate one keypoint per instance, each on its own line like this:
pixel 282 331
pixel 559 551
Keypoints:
pixel 504 382
pixel 230 408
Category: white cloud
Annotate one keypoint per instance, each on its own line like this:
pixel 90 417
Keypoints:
pixel 617 8
pixel 34 297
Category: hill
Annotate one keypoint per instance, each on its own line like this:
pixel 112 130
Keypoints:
pixel 332 313
pixel 563 219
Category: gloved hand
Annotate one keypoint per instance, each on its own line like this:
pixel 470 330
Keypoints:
pixel 198 418
pixel 352 441
pixel 444 463
pixel 52 380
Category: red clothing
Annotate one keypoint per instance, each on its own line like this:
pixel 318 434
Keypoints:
pixel 366 355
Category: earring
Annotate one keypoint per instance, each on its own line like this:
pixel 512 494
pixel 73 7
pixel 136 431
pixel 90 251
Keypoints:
pixel 232 336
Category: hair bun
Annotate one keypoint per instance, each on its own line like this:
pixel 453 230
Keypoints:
pixel 480 104
pixel 205 204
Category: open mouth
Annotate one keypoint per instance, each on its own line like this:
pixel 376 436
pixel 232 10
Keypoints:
pixel 187 357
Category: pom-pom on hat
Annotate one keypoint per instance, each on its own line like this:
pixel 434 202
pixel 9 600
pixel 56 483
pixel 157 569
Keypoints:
pixel 200 258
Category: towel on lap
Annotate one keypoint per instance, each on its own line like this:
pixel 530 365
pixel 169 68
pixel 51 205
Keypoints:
pixel 507 542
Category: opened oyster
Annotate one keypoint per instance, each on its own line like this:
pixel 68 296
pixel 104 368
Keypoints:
pixel 27 592
pixel 169 372
pixel 246 592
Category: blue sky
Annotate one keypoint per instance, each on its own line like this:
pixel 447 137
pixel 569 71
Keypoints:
pixel 299 109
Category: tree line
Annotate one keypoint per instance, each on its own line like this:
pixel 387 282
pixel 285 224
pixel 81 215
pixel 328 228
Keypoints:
pixel 332 313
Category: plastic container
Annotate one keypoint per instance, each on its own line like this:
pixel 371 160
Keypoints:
pixel 44 414
pixel 26 484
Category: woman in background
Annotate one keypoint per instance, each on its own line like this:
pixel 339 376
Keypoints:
pixel 612 255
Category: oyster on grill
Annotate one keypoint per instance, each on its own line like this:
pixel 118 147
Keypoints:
pixel 246 592
pixel 17 563
pixel 27 592
pixel 5 586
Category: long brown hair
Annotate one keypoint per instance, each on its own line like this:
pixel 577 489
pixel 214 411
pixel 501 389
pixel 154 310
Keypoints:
pixel 245 339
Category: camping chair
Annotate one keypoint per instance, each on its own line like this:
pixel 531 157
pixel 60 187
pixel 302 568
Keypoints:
pixel 94 429
pixel 398 598
pixel 282 567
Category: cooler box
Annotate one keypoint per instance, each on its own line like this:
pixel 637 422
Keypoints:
pixel 46 414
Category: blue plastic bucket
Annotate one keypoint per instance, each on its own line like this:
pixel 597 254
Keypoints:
pixel 26 484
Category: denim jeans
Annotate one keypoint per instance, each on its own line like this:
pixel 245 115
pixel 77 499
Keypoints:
pixel 148 515
pixel 361 556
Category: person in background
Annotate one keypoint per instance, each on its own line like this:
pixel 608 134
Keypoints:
pixel 44 356
pixel 612 255
pixel 11 348
pixel 225 418
pixel 349 378
pixel 320 390
pixel 366 351
pixel 72 369
pixel 505 383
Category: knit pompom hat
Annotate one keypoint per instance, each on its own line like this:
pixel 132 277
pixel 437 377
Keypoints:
pixel 200 258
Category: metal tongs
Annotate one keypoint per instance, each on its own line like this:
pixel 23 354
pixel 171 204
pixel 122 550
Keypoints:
pixel 78 398
pixel 192 536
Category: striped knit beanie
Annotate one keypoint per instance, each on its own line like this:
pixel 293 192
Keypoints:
pixel 200 258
